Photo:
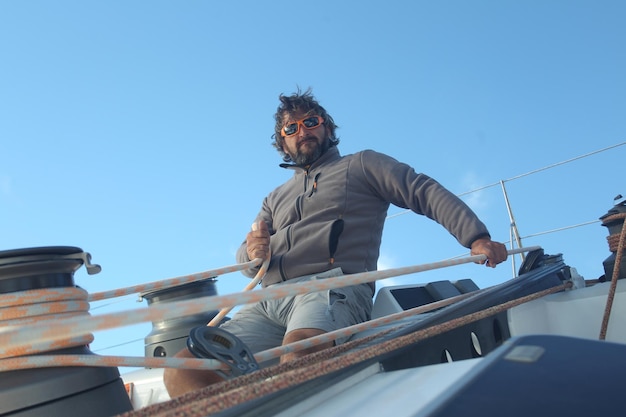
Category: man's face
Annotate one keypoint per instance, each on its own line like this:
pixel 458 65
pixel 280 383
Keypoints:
pixel 308 143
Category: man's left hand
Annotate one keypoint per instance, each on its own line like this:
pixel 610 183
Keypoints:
pixel 494 251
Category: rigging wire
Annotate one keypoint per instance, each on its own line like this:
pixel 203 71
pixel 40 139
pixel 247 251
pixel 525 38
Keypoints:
pixel 516 177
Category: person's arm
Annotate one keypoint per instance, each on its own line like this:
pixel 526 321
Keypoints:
pixel 402 186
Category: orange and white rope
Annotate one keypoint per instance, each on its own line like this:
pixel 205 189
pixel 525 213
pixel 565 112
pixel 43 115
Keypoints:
pixel 41 336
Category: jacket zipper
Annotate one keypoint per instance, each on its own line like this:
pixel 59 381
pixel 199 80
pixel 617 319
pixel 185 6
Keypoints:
pixel 283 275
pixel 298 203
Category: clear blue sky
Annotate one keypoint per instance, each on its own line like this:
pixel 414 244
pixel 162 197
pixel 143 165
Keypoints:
pixel 140 130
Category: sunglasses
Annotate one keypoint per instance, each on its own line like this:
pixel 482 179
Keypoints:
pixel 307 123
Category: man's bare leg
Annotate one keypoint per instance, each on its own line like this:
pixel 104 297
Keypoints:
pixel 181 381
pixel 301 334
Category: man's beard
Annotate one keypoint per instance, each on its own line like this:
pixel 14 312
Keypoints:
pixel 310 155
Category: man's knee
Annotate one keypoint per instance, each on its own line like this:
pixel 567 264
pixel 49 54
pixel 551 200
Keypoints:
pixel 180 381
pixel 302 334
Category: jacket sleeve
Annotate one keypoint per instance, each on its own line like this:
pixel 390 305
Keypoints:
pixel 399 184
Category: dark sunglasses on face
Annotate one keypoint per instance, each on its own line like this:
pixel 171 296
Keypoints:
pixel 308 123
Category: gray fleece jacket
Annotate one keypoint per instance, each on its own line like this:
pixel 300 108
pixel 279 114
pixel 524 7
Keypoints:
pixel 332 214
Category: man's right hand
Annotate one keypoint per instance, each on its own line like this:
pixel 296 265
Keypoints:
pixel 258 241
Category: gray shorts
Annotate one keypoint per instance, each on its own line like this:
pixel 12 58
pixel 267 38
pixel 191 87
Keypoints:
pixel 263 325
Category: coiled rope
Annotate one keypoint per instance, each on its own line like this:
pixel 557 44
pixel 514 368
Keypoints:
pixel 44 307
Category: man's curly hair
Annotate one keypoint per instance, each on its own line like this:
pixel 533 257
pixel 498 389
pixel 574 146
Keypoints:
pixel 300 102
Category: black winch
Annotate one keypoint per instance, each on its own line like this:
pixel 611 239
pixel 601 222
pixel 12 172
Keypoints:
pixel 170 336
pixel 62 391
